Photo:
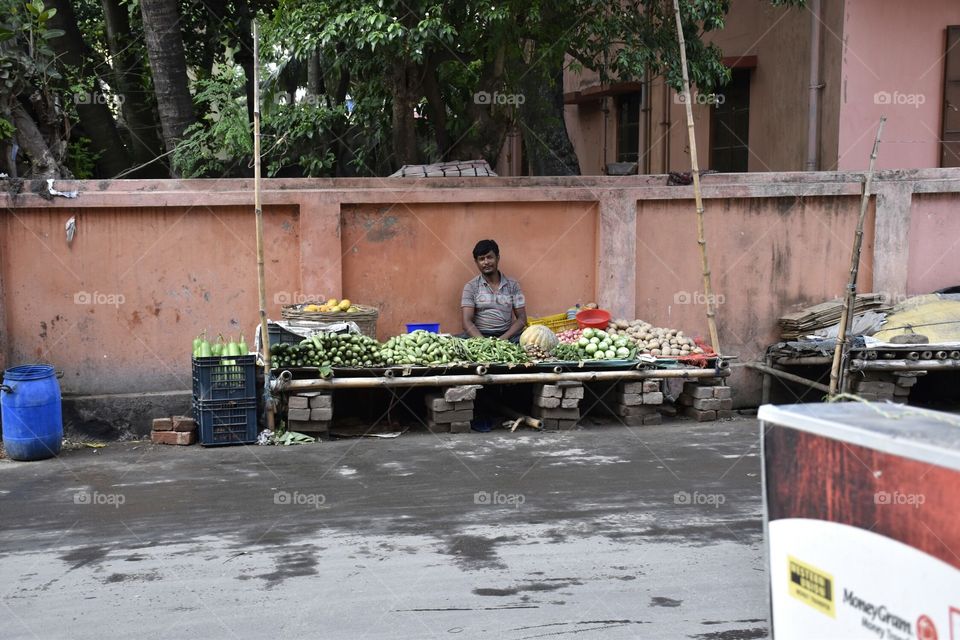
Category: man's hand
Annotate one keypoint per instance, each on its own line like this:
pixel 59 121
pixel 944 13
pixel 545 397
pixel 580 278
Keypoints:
pixel 468 326
pixel 519 322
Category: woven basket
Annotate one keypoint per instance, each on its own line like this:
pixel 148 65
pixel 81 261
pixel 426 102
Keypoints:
pixel 366 317
pixel 557 322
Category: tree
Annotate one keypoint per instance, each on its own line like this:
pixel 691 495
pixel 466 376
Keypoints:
pixel 161 26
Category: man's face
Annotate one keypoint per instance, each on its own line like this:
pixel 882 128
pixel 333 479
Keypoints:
pixel 488 263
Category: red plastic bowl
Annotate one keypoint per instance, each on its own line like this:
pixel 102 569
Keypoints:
pixel 593 318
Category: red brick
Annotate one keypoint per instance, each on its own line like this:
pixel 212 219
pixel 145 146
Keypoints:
pixel 162 424
pixel 173 437
pixel 184 424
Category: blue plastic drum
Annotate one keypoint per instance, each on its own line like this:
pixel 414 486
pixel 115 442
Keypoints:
pixel 31 412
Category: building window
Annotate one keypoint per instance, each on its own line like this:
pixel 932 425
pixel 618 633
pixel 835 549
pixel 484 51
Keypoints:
pixel 950 145
pixel 628 127
pixel 730 125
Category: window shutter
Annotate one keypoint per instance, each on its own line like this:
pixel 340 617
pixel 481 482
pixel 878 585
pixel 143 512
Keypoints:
pixel 950 134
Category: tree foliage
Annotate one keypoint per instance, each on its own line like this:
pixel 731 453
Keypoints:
pixel 349 88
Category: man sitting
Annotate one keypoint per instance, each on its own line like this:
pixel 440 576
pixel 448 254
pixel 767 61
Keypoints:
pixel 492 304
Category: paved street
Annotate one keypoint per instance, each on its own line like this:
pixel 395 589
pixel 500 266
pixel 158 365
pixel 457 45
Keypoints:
pixel 605 532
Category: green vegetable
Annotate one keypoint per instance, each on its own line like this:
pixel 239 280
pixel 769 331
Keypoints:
pixel 244 349
pixel 205 351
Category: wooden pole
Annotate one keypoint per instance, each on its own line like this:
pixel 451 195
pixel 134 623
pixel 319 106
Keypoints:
pixel 850 298
pixel 264 334
pixel 695 170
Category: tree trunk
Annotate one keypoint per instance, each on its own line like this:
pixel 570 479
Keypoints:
pixel 548 147
pixel 403 123
pixel 43 163
pixel 142 127
pixel 167 61
pixel 437 109
pixel 95 117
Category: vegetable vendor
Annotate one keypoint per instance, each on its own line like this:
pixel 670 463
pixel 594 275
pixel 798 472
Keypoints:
pixel 492 304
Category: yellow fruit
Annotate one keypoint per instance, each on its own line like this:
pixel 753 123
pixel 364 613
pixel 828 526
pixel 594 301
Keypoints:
pixel 331 302
pixel 312 308
pixel 344 304
pixel 352 310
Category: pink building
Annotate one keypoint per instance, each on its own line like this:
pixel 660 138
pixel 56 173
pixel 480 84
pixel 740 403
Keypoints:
pixel 809 86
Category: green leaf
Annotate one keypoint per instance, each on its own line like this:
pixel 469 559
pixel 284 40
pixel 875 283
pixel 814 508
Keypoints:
pixel 50 34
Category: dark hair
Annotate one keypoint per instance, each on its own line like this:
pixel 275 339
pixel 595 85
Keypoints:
pixel 484 247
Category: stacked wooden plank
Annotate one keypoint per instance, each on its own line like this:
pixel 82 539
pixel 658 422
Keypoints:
pixel 826 314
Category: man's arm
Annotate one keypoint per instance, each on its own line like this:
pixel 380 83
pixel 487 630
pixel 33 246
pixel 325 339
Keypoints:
pixel 519 322
pixel 468 326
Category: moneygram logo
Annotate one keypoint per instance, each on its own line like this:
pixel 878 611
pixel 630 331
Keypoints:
pixel 875 616
pixel 811 586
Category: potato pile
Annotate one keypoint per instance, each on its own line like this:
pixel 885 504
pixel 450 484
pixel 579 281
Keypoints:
pixel 657 341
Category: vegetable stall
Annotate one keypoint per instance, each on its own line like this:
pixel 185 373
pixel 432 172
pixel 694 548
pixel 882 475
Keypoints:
pixel 318 348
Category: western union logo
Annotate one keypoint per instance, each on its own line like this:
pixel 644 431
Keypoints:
pixel 812 586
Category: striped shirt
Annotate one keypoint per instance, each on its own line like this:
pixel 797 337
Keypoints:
pixel 493 309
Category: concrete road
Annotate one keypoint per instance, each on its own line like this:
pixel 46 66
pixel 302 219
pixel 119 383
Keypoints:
pixel 605 532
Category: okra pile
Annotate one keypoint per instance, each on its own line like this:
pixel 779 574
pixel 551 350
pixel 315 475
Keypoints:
pixel 328 350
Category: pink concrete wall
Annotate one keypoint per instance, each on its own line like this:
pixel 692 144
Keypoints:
pixel 934 261
pixel 187 262
pixel 412 261
pixel 768 257
pixel 117 309
pixel 893 52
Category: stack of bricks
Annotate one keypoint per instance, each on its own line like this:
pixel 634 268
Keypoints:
pixel 638 403
pixel 558 405
pixel 706 399
pixel 180 430
pixel 879 387
pixel 451 410
pixel 310 412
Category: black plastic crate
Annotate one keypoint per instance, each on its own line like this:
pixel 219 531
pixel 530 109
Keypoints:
pixel 279 335
pixel 224 422
pixel 224 378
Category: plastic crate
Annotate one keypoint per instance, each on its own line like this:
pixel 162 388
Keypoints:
pixel 224 378
pixel 557 322
pixel 279 335
pixel 223 422
pixel 432 327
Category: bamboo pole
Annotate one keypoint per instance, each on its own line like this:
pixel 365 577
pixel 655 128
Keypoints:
pixel 695 170
pixel 261 286
pixel 770 371
pixel 490 379
pixel 849 300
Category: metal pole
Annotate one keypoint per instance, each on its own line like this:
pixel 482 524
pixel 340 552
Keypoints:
pixel 695 170
pixel 786 376
pixel 264 334
pixel 850 299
